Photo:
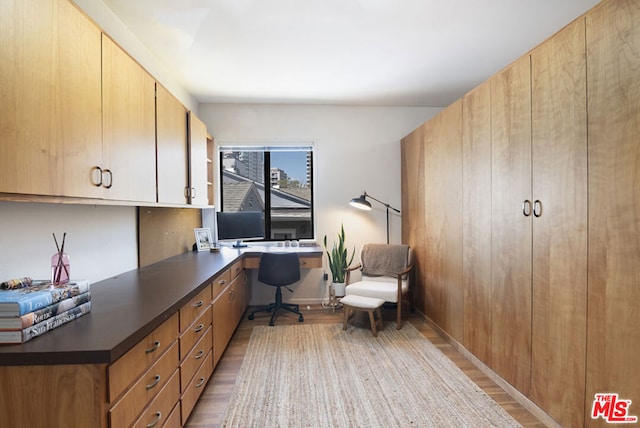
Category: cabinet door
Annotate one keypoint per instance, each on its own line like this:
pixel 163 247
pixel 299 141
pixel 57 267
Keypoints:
pixel 171 148
pixel 129 134
pixel 198 165
pixel 510 228
pixel 413 219
pixel 476 215
pixel 50 102
pixel 559 158
pixel 443 214
pixel 613 343
pixel 222 322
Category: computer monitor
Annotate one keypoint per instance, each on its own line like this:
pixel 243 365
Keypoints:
pixel 239 226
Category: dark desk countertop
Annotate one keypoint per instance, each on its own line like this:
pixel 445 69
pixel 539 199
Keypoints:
pixel 129 306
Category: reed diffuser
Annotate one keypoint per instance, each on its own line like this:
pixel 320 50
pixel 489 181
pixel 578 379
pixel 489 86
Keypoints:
pixel 60 269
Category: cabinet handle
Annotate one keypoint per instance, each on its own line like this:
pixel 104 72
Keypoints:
pixel 200 383
pixel 232 295
pixel 155 346
pixel 96 183
pixel 199 354
pixel 193 193
pixel 110 174
pixel 526 208
pixel 198 303
pixel 199 328
pixel 154 423
pixel 222 282
pixel 154 383
pixel 537 208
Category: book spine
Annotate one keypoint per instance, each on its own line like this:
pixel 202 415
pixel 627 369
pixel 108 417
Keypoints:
pixel 51 295
pixel 60 319
pixel 35 302
pixel 54 309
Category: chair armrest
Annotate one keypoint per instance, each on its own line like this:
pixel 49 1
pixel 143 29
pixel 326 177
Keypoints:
pixel 354 267
pixel 405 270
pixel 347 278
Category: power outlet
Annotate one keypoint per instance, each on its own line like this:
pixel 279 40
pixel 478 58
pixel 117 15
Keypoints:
pixel 326 276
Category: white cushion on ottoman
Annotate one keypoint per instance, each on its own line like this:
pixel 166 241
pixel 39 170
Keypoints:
pixel 362 302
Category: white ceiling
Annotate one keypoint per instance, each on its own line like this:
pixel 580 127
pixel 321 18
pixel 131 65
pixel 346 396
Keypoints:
pixel 350 52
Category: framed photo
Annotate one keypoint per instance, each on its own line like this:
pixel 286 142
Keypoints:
pixel 203 238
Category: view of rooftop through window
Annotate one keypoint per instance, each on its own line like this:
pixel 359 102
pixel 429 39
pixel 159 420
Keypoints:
pixel 288 205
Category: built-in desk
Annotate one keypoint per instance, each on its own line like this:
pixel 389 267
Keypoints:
pixel 62 377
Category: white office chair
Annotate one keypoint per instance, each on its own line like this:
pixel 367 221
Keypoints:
pixel 386 274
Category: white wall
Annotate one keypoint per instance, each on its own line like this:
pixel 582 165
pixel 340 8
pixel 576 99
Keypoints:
pixel 101 240
pixel 356 149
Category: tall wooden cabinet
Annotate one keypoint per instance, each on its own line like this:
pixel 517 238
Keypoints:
pixel 511 224
pixel 50 99
pixel 613 327
pixel 559 197
pixel 550 217
pixel 198 162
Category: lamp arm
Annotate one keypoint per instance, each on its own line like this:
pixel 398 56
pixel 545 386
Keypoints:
pixel 383 203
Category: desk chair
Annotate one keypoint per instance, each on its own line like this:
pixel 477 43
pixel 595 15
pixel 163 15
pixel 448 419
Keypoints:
pixel 279 270
pixel 386 274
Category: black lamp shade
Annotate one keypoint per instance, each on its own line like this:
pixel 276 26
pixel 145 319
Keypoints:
pixel 361 203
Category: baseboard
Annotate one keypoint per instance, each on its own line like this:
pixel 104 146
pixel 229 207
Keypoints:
pixel 506 386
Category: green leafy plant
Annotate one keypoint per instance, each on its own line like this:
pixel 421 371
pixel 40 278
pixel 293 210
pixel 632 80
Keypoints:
pixel 339 259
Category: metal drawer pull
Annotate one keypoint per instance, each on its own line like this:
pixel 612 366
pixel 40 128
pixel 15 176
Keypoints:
pixel 155 382
pixel 199 354
pixel 99 175
pixel 222 282
pixel 537 208
pixel 108 171
pixel 198 303
pixel 200 383
pixel 526 208
pixel 154 423
pixel 198 328
pixel 155 346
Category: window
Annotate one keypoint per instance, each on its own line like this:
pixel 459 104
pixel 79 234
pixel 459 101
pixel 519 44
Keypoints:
pixel 287 172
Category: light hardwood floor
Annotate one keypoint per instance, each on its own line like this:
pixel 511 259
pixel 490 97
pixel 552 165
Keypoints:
pixel 213 402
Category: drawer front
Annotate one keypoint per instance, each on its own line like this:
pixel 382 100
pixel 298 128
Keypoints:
pixel 307 261
pixel 195 388
pixel 192 362
pixel 220 283
pixel 196 307
pixel 128 367
pixel 127 409
pixel 173 421
pixel 160 407
pixel 194 332
pixel 236 268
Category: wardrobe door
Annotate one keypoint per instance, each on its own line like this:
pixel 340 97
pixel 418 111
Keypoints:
pixel 511 224
pixel 559 155
pixel 412 182
pixel 476 221
pixel 443 217
pixel 613 325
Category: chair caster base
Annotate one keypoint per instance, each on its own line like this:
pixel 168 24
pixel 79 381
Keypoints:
pixel 300 318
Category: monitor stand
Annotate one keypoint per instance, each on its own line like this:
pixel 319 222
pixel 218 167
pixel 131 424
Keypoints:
pixel 239 244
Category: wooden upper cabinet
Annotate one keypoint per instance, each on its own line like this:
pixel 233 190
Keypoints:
pixel 613 344
pixel 129 134
pixel 559 159
pixel 171 127
pixel 198 162
pixel 50 99
pixel 476 220
pixel 510 229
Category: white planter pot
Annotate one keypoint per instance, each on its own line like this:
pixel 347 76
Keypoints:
pixel 338 289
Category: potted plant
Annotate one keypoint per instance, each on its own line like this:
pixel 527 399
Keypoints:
pixel 339 261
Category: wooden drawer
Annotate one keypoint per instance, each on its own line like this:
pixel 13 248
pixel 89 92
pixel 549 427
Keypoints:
pixel 192 362
pixel 307 261
pixel 173 421
pixel 127 409
pixel 220 283
pixel 194 332
pixel 237 268
pixel 195 388
pixel 128 367
pixel 161 406
pixel 196 306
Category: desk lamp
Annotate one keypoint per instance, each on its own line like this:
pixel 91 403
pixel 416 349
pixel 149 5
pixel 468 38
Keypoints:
pixel 361 203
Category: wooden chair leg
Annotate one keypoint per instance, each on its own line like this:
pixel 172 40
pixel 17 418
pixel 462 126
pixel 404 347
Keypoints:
pixel 347 310
pixel 399 313
pixel 373 322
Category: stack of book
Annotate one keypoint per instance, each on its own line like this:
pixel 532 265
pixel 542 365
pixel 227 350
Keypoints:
pixel 33 310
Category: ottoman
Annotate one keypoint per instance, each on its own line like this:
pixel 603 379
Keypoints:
pixel 353 303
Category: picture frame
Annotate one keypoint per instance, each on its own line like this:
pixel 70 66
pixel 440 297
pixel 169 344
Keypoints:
pixel 204 241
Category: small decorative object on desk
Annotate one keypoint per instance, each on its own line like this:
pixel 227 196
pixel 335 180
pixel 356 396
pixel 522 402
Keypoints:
pixel 60 269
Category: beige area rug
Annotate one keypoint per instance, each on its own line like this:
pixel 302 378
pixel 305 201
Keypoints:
pixel 316 375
